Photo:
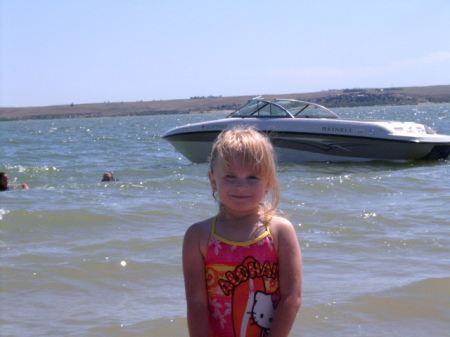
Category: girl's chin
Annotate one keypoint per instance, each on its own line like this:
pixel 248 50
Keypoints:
pixel 242 207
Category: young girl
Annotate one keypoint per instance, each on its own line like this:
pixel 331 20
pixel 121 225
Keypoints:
pixel 243 267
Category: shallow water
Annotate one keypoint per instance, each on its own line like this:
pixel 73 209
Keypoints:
pixel 86 258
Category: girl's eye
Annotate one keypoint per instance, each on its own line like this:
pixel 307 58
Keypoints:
pixel 253 178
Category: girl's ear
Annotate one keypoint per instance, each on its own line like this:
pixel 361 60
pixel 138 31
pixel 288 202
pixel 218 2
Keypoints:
pixel 212 181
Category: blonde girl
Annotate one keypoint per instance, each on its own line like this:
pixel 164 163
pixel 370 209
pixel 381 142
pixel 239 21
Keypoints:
pixel 243 267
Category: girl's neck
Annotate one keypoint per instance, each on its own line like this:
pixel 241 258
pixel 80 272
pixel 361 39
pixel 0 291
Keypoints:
pixel 226 214
pixel 241 227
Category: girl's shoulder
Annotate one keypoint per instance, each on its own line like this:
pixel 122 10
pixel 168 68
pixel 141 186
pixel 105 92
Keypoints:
pixel 280 228
pixel 199 232
pixel 278 223
pixel 288 248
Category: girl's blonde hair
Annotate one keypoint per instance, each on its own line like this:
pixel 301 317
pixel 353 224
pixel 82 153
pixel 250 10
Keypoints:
pixel 257 153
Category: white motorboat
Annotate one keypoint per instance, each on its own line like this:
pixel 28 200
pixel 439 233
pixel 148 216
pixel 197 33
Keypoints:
pixel 306 132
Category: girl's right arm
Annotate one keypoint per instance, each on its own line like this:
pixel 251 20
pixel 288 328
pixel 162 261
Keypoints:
pixel 195 281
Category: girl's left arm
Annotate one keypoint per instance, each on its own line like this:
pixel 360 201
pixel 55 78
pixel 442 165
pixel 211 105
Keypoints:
pixel 290 277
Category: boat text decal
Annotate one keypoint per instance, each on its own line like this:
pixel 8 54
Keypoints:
pixel 214 127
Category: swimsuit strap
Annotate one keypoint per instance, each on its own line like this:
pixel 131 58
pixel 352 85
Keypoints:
pixel 268 218
pixel 213 227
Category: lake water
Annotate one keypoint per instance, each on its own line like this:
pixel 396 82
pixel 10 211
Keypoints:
pixel 84 258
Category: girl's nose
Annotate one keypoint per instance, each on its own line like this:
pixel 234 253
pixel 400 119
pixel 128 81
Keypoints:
pixel 241 183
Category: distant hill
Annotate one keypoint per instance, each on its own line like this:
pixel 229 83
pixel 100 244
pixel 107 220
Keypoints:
pixel 330 99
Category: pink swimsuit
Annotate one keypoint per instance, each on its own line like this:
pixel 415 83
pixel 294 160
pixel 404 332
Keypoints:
pixel 242 283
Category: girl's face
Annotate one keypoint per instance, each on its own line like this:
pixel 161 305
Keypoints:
pixel 240 189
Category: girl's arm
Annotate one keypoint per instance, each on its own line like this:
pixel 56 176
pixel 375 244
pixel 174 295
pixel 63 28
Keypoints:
pixel 290 277
pixel 195 282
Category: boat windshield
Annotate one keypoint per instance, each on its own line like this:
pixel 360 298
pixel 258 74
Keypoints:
pixel 285 108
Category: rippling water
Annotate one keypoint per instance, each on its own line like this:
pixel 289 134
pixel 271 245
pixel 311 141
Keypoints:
pixel 86 258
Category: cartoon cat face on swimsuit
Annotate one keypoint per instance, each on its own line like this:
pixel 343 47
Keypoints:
pixel 263 310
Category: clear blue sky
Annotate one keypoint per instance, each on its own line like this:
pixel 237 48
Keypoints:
pixel 91 51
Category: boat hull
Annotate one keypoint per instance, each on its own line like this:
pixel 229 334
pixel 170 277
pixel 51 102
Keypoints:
pixel 309 140
pixel 297 148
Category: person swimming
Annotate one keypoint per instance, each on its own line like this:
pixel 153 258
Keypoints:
pixel 5 185
pixel 108 176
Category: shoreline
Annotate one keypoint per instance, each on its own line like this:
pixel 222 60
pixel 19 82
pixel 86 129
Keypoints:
pixel 330 99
